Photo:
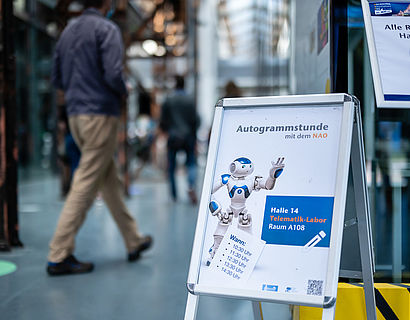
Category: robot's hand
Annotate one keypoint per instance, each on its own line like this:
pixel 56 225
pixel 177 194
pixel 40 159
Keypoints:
pixel 276 170
pixel 215 207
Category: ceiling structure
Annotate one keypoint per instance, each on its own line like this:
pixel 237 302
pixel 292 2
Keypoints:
pixel 162 23
pixel 244 28
pixel 253 35
pixel 161 31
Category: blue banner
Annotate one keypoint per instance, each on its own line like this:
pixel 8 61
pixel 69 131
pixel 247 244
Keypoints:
pixel 396 97
pixel 298 221
pixel 389 8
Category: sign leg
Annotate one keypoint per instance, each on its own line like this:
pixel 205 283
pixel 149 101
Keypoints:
pixel 329 313
pixel 191 307
pixel 397 232
pixel 257 310
pixel 363 216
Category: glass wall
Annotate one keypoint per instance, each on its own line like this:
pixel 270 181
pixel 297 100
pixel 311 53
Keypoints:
pixel 34 47
pixel 387 144
pixel 253 47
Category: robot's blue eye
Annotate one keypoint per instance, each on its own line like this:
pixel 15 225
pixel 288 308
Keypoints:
pixel 250 166
pixel 243 166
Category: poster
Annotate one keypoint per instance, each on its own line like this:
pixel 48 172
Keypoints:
pixel 391 28
pixel 310 59
pixel 323 26
pixel 272 238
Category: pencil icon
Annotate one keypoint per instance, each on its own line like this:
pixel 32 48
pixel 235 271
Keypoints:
pixel 314 241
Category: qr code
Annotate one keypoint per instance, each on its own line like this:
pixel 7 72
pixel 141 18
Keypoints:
pixel 315 287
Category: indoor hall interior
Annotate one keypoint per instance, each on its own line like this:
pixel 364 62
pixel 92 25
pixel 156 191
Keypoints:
pixel 223 48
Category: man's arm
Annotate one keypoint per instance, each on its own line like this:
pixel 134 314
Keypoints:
pixel 56 71
pixel 112 50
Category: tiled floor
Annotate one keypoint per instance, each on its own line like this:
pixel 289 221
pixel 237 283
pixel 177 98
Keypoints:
pixel 153 288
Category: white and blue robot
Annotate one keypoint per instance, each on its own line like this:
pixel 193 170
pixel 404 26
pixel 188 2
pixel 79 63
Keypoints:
pixel 240 185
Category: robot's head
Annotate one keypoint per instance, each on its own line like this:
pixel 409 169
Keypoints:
pixel 241 167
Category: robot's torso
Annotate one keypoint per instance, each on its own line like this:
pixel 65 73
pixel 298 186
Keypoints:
pixel 239 189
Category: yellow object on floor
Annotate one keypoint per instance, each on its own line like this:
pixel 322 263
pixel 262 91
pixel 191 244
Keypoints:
pixel 392 302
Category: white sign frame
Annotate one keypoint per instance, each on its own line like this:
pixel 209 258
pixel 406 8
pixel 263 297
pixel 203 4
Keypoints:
pixel 374 60
pixel 330 292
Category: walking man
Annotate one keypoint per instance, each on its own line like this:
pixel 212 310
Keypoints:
pixel 88 68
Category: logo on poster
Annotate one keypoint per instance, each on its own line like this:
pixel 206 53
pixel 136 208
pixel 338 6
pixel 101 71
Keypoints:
pixel 270 287
pixel 290 290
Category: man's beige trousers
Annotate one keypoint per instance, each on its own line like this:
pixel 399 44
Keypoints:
pixel 96 136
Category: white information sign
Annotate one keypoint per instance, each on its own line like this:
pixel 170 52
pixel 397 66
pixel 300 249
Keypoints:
pixel 388 33
pixel 236 258
pixel 272 208
pixel 291 216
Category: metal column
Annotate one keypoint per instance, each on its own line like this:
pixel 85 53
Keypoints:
pixel 8 142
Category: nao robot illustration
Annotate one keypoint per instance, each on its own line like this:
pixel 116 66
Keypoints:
pixel 240 185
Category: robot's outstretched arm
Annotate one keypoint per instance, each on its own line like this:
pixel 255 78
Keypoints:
pixel 274 172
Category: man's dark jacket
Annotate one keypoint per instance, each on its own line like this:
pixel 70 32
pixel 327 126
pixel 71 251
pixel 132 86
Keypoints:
pixel 88 65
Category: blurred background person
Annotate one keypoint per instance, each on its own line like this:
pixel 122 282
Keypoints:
pixel 145 129
pixel 232 90
pixel 180 120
